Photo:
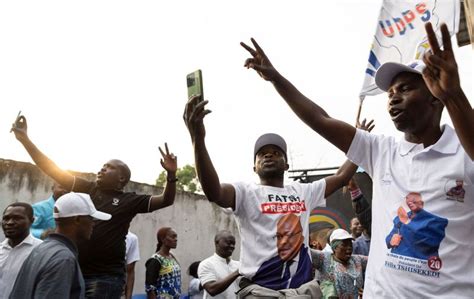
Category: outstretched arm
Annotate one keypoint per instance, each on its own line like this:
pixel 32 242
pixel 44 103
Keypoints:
pixel 344 174
pixel 214 288
pixel 170 163
pixel 361 206
pixel 442 79
pixel 20 129
pixel 221 194
pixel 335 131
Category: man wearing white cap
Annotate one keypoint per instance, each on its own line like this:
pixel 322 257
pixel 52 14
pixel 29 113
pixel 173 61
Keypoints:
pixel 431 160
pixel 102 258
pixel 52 270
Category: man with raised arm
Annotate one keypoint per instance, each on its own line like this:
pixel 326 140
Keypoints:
pixel 102 258
pixel 430 160
pixel 274 254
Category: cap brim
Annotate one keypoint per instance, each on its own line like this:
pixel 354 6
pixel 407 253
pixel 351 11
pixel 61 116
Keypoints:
pixel 101 216
pixel 385 74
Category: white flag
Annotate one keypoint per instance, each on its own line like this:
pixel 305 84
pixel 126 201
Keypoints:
pixel 401 37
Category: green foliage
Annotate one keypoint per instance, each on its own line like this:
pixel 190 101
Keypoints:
pixel 187 179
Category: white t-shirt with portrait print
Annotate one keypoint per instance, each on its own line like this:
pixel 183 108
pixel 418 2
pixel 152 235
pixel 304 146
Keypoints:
pixel 435 257
pixel 258 209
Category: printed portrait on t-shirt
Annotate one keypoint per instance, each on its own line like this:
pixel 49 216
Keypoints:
pixel 289 236
pixel 455 192
pixel 292 266
pixel 416 233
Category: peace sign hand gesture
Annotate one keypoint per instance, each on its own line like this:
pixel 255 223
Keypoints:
pixel 441 73
pixel 169 161
pixel 259 62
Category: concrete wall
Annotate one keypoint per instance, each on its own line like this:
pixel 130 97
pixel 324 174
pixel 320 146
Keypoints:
pixel 192 216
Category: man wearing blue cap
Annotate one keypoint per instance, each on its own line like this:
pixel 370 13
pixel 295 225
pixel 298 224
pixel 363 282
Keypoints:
pixel 273 217
pixel 431 160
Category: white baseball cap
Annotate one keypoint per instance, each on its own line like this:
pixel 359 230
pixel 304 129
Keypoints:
pixel 389 70
pixel 77 204
pixel 340 234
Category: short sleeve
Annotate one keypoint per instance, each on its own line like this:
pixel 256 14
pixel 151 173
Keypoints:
pixel 317 199
pixel 133 251
pixel 365 147
pixel 83 186
pixel 240 189
pixel 36 228
pixel 152 273
pixel 206 272
pixel 194 288
pixel 140 203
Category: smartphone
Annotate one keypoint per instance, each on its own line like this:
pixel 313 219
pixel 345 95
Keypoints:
pixel 194 82
pixel 16 121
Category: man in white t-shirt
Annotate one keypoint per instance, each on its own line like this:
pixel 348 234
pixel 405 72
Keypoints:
pixel 16 223
pixel 259 207
pixel 431 160
pixel 132 255
pixel 218 273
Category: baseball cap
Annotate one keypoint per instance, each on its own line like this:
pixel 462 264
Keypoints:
pixel 340 234
pixel 270 138
pixel 385 74
pixel 77 204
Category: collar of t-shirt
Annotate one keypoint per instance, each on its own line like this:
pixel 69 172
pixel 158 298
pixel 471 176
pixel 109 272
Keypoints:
pixel 447 143
pixel 26 241
pixel 221 259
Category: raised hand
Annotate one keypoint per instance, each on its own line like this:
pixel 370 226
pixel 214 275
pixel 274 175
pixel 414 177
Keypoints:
pixel 169 161
pixel 402 215
pixel 395 240
pixel 259 62
pixel 193 116
pixel 20 128
pixel 441 73
pixel 366 126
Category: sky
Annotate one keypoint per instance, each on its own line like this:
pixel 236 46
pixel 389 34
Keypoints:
pixel 98 80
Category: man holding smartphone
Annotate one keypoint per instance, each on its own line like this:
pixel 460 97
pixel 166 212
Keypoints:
pixel 102 258
pixel 274 244
pixel 431 160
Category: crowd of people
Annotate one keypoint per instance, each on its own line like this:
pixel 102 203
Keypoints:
pixel 416 232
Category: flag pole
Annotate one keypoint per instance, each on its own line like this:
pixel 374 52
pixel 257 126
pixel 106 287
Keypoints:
pixel 359 110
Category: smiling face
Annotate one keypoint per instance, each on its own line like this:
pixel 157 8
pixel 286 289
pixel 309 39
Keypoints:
pixel 270 162
pixel 356 227
pixel 289 236
pixel 225 245
pixel 414 202
pixel 411 106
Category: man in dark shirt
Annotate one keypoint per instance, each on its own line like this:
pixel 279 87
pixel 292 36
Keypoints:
pixel 363 211
pixel 102 258
pixel 52 270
